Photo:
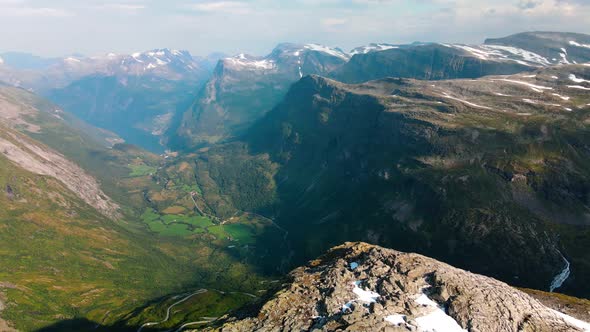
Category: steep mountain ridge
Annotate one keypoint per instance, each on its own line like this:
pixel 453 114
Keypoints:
pixel 360 287
pixel 466 171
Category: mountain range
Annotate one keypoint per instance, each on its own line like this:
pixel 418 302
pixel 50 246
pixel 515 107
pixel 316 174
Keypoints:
pixel 161 191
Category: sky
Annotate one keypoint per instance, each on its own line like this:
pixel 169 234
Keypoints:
pixel 92 27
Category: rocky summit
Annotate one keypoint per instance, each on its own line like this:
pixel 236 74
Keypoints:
pixel 362 287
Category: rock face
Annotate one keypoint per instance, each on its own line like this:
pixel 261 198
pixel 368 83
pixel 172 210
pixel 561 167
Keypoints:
pixel 361 287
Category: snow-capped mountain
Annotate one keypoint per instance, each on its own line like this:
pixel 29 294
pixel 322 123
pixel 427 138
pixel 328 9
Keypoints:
pixel 305 58
pixel 244 87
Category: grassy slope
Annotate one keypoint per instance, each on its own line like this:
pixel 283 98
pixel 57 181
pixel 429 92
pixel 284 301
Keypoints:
pixel 64 261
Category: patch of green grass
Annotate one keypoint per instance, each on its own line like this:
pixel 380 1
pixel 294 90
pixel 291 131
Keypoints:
pixel 141 170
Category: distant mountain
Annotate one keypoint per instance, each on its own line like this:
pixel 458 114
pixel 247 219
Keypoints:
pixel 491 170
pixel 360 287
pixel 139 96
pixel 433 61
pixel 25 61
pixel 243 88
pixel 551 47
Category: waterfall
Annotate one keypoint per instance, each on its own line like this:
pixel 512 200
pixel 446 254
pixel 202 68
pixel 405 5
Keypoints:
pixel 559 279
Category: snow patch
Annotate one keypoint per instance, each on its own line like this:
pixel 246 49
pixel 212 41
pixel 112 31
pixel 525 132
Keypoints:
pixel 396 319
pixel 585 326
pixel 573 77
pixel 364 295
pixel 437 320
pixel 372 48
pixel 327 50
pixel 534 87
pixel 446 95
pixel 574 43
pixel 243 61
pixel 578 87
pixel 566 98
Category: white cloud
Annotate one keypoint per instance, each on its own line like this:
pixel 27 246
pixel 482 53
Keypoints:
pixel 333 22
pixel 229 7
pixel 33 12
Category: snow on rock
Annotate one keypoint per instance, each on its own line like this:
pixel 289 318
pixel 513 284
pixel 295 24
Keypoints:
pixel 396 319
pixel 584 326
pixel 243 61
pixel 562 97
pixel 578 87
pixel 437 320
pixel 574 43
pixel 372 48
pixel 446 95
pixel 327 50
pixel 534 87
pixel 364 295
pixel 573 77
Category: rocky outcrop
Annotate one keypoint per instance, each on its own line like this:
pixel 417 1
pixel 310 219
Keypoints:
pixel 361 287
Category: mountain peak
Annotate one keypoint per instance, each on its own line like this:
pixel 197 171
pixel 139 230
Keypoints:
pixel 358 286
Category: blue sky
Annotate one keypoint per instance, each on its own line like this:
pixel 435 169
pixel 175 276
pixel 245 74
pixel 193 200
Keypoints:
pixel 92 27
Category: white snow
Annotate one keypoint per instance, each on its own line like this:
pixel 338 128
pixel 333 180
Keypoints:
pixel 1 61
pixel 573 77
pixel 446 95
pixel 530 101
pixel 524 55
pixel 578 87
pixel 501 94
pixel 423 299
pixel 364 295
pixel 437 320
pixel 564 58
pixel 300 72
pixel 396 319
pixel 534 87
pixel 529 76
pixel 554 77
pixel 560 96
pixel 354 265
pixel 70 59
pixel 479 53
pixel 569 110
pixel 574 43
pixel 327 50
pixel 559 279
pixel 242 60
pixel 584 326
pixel 151 66
pixel 372 48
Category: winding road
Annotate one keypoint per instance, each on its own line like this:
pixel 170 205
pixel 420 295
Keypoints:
pixel 200 291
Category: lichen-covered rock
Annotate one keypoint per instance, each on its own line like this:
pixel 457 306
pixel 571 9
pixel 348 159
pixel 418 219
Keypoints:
pixel 361 287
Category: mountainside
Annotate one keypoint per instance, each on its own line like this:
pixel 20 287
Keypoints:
pixel 243 88
pixel 360 287
pixel 489 174
pixel 432 61
pixel 555 47
pixel 88 239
